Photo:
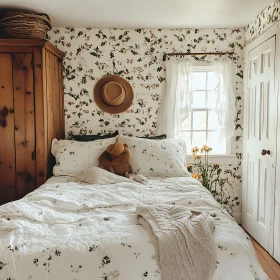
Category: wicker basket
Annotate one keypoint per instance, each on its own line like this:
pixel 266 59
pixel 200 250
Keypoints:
pixel 25 25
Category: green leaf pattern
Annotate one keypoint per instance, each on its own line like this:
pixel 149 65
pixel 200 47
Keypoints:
pixel 263 21
pixel 137 55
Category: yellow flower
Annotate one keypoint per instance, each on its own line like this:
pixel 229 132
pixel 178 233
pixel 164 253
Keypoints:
pixel 197 156
pixel 196 176
pixel 205 148
pixel 195 149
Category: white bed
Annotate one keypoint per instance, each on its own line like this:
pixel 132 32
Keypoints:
pixel 73 230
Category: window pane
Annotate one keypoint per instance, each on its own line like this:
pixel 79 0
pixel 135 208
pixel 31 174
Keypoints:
pixel 211 99
pixel 213 121
pixel 199 80
pixel 199 120
pixel 199 138
pixel 186 136
pixel 187 123
pixel 213 142
pixel 199 99
pixel 212 81
pixel 204 84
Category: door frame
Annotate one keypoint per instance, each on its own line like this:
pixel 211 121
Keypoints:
pixel 275 232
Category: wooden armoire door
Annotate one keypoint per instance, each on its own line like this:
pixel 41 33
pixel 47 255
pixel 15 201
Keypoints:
pixel 7 127
pixel 17 140
pixel 260 124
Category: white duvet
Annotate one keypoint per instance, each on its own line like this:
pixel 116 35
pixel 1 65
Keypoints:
pixel 71 230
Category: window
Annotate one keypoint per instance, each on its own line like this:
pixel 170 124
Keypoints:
pixel 201 126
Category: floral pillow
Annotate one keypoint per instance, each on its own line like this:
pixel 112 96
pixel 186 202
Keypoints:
pixel 73 157
pixel 166 158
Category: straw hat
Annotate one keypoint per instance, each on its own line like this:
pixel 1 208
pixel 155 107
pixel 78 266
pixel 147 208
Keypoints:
pixel 113 94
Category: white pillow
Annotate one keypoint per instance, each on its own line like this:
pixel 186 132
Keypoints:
pixel 73 157
pixel 99 176
pixel 166 158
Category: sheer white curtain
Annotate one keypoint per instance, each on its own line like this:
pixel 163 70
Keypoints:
pixel 225 105
pixel 177 100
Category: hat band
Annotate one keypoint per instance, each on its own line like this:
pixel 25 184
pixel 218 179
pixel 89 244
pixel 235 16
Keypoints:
pixel 105 102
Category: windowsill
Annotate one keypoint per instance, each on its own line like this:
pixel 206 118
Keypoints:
pixel 219 159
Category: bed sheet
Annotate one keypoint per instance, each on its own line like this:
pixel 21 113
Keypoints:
pixel 73 230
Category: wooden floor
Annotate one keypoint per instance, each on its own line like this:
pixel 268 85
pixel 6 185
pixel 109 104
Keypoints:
pixel 270 266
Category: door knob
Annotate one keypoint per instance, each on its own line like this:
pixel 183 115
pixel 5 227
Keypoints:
pixel 265 152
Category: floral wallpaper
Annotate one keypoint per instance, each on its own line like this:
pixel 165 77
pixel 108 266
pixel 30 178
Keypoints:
pixel 137 55
pixel 263 21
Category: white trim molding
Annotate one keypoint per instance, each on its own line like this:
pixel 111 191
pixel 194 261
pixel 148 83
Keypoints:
pixel 219 159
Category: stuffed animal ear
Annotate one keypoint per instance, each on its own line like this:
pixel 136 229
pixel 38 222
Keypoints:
pixel 104 160
pixel 115 149
pixel 110 148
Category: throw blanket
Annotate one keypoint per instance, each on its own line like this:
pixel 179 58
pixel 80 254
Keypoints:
pixel 183 241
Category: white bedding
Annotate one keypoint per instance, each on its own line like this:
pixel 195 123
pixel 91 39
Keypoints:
pixel 71 230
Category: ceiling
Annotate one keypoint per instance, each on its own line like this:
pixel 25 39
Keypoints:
pixel 145 13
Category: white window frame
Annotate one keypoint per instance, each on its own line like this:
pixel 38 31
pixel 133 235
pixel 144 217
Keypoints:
pixel 224 159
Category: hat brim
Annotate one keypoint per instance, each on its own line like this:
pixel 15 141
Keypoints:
pixel 109 108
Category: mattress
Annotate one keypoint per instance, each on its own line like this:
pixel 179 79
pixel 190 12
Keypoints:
pixel 74 230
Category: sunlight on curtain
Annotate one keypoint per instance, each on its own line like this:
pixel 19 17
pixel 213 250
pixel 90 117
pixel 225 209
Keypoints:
pixel 199 106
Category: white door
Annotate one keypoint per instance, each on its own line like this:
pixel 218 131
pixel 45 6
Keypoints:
pixel 260 123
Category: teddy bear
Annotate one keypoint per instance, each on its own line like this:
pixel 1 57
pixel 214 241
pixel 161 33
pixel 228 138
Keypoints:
pixel 116 159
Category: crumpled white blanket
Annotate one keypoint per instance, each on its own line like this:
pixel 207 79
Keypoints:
pixel 183 241
pixel 98 176
pixel 74 230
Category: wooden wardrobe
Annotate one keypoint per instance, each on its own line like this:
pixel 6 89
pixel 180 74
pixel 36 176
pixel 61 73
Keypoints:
pixel 31 113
